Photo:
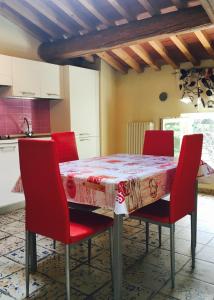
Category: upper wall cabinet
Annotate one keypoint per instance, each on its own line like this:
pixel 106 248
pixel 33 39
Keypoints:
pixel 50 81
pixel 26 79
pixel 5 70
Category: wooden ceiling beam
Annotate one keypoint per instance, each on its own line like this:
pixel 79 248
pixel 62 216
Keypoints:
pixel 112 61
pixel 121 10
pixel 159 26
pixel 30 16
pixel 145 56
pixel 180 3
pixel 71 13
pixel 159 47
pixel 153 10
pixel 92 9
pixel 208 5
pixel 128 59
pixel 182 46
pixel 45 10
pixel 204 40
pixel 23 23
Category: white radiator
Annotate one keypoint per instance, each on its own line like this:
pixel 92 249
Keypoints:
pixel 135 136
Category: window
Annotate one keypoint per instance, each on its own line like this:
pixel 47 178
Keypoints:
pixel 193 123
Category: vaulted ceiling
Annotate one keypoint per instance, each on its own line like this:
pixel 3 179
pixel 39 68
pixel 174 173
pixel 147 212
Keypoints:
pixel 125 33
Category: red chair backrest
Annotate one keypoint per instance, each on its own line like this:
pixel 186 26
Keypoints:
pixel 46 204
pixel 66 145
pixel 182 196
pixel 159 142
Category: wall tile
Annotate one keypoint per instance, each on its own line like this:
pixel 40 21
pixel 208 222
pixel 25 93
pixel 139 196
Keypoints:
pixel 13 111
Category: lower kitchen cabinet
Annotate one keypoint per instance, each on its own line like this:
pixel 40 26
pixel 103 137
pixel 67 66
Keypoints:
pixel 9 173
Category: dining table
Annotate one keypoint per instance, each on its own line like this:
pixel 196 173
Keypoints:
pixel 121 183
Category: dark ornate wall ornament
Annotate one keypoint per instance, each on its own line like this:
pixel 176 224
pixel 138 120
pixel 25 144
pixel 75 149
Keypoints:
pixel 197 86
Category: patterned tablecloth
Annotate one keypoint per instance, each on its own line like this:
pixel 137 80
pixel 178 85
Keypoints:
pixel 121 182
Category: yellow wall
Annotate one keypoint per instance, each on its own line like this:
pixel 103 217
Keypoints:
pixel 137 99
pixel 107 109
pixel 16 42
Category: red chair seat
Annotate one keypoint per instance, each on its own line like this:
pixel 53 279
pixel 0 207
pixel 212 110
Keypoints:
pixel 157 211
pixel 84 224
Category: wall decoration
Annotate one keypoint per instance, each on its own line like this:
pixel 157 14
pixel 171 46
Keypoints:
pixel 197 86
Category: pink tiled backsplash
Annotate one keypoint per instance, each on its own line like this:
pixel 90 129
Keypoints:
pixel 13 111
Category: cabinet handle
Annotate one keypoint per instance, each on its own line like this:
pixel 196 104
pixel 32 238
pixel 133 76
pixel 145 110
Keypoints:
pixel 52 94
pixel 84 134
pixel 7 148
pixel 28 93
pixel 84 140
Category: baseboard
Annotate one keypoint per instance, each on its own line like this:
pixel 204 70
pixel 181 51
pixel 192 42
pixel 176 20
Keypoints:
pixel 11 207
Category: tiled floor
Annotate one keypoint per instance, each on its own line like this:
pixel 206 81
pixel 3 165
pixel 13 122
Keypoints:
pixel 145 276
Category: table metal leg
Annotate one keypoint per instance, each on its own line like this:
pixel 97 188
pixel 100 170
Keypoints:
pixel 117 256
pixel 33 256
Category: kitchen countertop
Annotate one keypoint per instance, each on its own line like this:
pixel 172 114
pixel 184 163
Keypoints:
pixel 13 137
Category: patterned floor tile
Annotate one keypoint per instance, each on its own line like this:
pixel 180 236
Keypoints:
pixel 7 267
pixel 87 279
pixel 145 274
pixel 18 214
pixel 130 231
pixel 48 243
pixel 80 252
pixel 188 288
pixel 5 297
pixel 134 249
pixel 211 243
pixel 203 271
pixel 129 292
pixel 3 235
pixel 14 285
pixel 202 237
pixel 19 254
pixel 162 297
pixel 206 253
pixel 54 267
pixel 14 227
pixel 153 238
pixel 181 246
pixel 10 244
pixel 5 219
pixel 102 240
pixel 161 258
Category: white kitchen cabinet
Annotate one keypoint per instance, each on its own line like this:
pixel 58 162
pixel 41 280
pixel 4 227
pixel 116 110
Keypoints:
pixel 26 78
pixel 84 100
pixel 9 173
pixel 88 146
pixel 50 81
pixel 5 70
pixel 83 87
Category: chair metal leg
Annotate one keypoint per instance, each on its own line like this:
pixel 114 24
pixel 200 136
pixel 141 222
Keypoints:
pixel 54 244
pixel 159 233
pixel 27 261
pixel 196 210
pixel 172 253
pixel 193 236
pixel 89 251
pixel 32 253
pixel 147 237
pixel 67 271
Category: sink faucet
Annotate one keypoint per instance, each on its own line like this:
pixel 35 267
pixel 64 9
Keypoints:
pixel 28 132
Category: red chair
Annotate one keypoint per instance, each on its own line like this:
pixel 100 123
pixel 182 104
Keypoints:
pixel 182 197
pixel 67 151
pixel 47 211
pixel 159 142
pixel 66 145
